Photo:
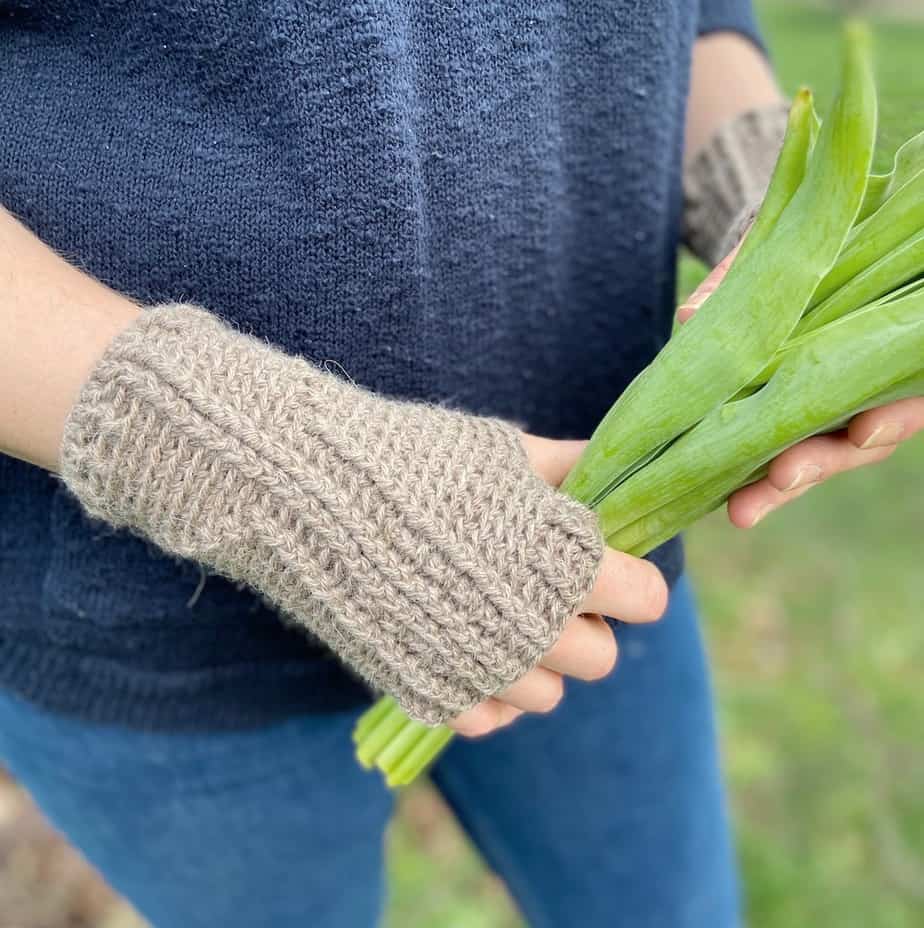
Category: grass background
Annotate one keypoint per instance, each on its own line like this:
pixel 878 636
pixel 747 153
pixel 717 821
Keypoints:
pixel 815 625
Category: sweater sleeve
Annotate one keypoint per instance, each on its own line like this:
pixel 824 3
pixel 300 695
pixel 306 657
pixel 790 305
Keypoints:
pixel 730 16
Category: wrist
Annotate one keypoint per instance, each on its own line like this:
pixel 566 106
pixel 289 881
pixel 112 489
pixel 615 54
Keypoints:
pixel 57 322
pixel 35 412
pixel 725 181
pixel 83 345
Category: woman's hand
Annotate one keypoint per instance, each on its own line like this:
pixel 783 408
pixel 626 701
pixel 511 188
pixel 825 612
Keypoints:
pixel 869 438
pixel 626 587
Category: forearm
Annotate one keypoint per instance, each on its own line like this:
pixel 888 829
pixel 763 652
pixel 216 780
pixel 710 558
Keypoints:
pixel 729 77
pixel 55 324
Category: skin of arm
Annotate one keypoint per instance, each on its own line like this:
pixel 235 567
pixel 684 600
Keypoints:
pixel 729 77
pixel 55 324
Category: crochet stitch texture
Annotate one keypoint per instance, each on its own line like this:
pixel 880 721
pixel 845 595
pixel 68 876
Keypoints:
pixel 415 541
pixel 726 180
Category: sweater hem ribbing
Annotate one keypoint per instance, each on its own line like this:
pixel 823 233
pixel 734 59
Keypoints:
pixel 100 691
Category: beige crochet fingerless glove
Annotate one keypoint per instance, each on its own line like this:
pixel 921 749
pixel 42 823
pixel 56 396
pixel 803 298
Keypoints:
pixel 725 181
pixel 415 541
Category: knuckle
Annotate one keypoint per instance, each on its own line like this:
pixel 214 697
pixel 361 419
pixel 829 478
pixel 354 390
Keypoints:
pixel 462 727
pixel 654 592
pixel 601 660
pixel 606 662
pixel 477 728
pixel 552 696
pixel 475 723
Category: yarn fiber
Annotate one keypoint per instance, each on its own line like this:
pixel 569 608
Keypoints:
pixel 726 180
pixel 415 541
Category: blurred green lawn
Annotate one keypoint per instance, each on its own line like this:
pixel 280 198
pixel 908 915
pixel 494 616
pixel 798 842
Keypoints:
pixel 816 629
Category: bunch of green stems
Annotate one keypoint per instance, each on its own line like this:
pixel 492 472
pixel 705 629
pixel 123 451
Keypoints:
pixel 820 317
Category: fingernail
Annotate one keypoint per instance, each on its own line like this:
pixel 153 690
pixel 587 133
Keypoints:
pixel 888 434
pixel 761 514
pixel 811 473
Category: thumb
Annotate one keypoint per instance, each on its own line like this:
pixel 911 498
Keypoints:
pixel 688 308
pixel 549 458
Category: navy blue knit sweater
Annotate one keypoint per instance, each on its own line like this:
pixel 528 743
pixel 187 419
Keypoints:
pixel 472 203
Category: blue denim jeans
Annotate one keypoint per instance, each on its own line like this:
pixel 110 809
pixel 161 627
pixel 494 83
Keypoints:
pixel 608 812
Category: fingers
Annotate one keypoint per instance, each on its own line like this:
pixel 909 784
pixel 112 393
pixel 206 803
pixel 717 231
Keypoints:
pixel 484 718
pixel 586 649
pixel 887 425
pixel 750 505
pixel 540 690
pixel 688 308
pixel 870 438
pixel 549 458
pixel 818 458
pixel 797 470
pixel 627 588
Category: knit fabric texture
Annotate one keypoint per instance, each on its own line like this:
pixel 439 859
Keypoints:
pixel 415 541
pixel 726 180
pixel 472 205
